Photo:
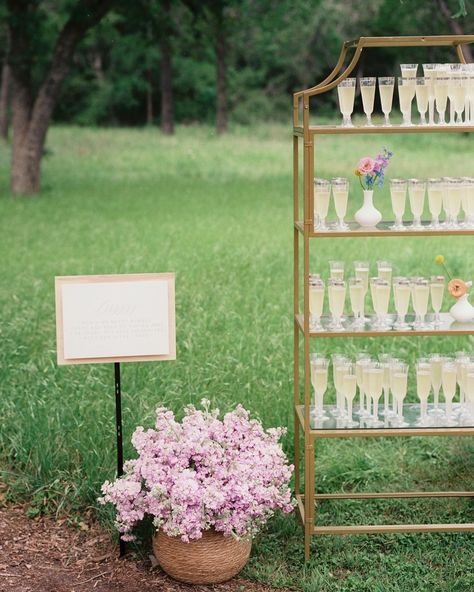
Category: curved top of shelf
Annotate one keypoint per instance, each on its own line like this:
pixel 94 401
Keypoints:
pixel 358 45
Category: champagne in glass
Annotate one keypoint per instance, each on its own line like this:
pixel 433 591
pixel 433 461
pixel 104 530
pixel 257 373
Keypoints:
pixel 338 362
pixel 448 381
pixel 398 194
pixel 436 362
pixel 337 296
pixel 409 71
pixel 380 290
pixel 361 270
pixel 349 385
pixel 362 359
pixel 422 94
pixel 386 86
pixel 319 380
pixel 340 193
pixel 455 189
pixel 423 388
pixel 401 296
pixel 441 97
pixel 469 199
pixel 399 385
pixel 416 193
pixel 385 362
pixel 465 181
pixel 346 95
pixel 435 200
pixel 356 293
pixel 322 192
pixel 367 90
pixel 336 270
pixel 420 297
pixel 376 373
pixel 437 293
pixel 316 302
pixel 384 270
pixel 459 97
pixel 429 70
pixel 406 93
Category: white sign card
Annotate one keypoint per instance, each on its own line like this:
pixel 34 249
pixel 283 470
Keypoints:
pixel 115 318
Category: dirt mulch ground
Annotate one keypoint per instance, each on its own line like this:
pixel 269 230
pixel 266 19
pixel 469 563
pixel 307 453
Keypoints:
pixel 48 556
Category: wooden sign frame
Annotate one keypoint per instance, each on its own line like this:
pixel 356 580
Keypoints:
pixel 60 281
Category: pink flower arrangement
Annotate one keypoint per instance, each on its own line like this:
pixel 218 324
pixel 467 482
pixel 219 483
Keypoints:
pixel 203 472
pixel 372 170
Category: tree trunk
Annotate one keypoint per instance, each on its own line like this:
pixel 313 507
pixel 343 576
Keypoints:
pixel 4 100
pixel 31 116
pixel 221 81
pixel 149 97
pixel 167 110
pixel 456 29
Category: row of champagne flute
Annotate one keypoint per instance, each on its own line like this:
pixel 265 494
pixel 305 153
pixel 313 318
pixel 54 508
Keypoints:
pixel 439 83
pixel 448 195
pixel 389 376
pixel 417 289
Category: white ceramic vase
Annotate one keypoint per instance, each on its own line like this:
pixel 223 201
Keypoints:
pixel 462 311
pixel 368 215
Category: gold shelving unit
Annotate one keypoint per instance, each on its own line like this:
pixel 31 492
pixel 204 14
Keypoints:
pixel 307 496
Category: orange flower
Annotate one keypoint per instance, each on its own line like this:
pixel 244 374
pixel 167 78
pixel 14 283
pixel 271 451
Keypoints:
pixel 457 288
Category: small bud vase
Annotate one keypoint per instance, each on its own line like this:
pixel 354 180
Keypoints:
pixel 368 216
pixel 462 311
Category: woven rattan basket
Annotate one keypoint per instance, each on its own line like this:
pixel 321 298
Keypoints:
pixel 213 558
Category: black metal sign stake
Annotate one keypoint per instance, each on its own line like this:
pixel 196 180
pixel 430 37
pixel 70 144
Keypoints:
pixel 118 425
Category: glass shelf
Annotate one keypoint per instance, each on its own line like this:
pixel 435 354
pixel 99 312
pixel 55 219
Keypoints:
pixel 381 129
pixel 331 427
pixel 384 229
pixel 448 327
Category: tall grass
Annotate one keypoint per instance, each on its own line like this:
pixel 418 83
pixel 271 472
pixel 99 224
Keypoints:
pixel 217 211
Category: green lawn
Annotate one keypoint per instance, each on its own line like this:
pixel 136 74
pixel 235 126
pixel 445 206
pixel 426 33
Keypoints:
pixel 217 211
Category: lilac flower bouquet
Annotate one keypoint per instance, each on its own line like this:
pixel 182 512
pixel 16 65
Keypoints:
pixel 204 472
pixel 372 170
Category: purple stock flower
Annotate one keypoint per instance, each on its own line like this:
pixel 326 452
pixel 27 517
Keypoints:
pixel 230 474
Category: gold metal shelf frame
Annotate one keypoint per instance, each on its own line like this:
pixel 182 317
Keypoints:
pixel 303 225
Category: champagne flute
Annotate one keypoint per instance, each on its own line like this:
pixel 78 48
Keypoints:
pixel 380 291
pixel 384 270
pixel 386 86
pixel 399 385
pixel 420 296
pixel 448 380
pixel 429 70
pixel 398 194
pixel 436 363
pixel 422 94
pixel 319 380
pixel 346 96
pixel 316 302
pixel 376 373
pixel 336 270
pixel 469 200
pixel 338 362
pixel 356 293
pixel 462 361
pixel 401 296
pixel 465 183
pixel 385 362
pixel 441 97
pixel 406 93
pixel 435 200
pixel 367 90
pixel 337 296
pixel 361 271
pixel 469 406
pixel 416 193
pixel 340 194
pixel 445 202
pixel 362 359
pixel 437 293
pixel 349 382
pixel 459 97
pixel 455 189
pixel 423 388
pixel 322 192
